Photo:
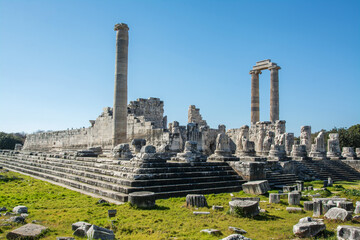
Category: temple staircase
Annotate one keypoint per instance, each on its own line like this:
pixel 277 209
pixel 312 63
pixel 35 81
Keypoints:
pixel 277 180
pixel 114 180
pixel 335 169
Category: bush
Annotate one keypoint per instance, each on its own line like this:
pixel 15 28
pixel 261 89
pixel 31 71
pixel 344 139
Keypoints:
pixel 8 141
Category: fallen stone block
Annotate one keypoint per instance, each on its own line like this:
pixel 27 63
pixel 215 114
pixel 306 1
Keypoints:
pixel 357 208
pixel 305 220
pixel 236 237
pixel 237 230
pixel 328 206
pixel 112 213
pixel 309 206
pixel 294 198
pixel 244 208
pixel 96 232
pixel 76 225
pixel 318 208
pixel 211 231
pixel 307 227
pixel 20 209
pixel 348 206
pixel 81 231
pixel 142 199
pixel 17 219
pixel 338 214
pixel 256 187
pixel 274 198
pixel 348 232
pixel 29 231
pixel 196 200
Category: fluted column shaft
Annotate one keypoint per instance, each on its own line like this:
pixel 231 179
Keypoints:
pixel 120 95
pixel 255 100
pixel 274 93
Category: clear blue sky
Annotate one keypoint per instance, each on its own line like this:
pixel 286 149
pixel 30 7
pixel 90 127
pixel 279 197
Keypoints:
pixel 57 60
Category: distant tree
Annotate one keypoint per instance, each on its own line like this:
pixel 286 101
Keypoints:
pixel 353 136
pixel 8 140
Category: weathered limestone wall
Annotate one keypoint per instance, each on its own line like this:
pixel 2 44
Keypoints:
pixel 194 116
pixel 99 134
pixel 145 120
pixel 152 110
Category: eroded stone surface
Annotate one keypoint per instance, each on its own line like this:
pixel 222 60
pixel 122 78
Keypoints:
pixel 29 231
pixel 346 232
pixel 236 237
pixel 96 232
pixel 244 208
pixel 338 214
pixel 20 209
pixel 307 228
pixel 196 200
pixel 256 187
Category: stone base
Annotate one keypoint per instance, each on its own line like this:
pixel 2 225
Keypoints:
pixel 317 155
pixel 299 158
pixel 275 158
pixel 222 158
pixel 333 155
pixel 245 154
pixel 142 199
pixel 251 159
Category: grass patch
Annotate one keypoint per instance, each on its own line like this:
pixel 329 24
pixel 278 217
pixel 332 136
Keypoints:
pixel 57 208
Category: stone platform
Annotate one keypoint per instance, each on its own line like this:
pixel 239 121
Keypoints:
pixel 114 179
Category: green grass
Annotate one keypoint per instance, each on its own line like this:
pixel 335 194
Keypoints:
pixel 57 208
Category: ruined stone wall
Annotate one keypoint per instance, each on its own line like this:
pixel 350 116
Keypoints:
pixel 151 110
pixel 98 134
pixel 194 116
pixel 145 120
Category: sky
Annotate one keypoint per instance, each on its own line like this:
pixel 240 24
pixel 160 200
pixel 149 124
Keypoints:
pixel 57 60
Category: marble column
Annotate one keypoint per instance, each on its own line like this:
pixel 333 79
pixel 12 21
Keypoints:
pixel 274 93
pixel 255 100
pixel 120 96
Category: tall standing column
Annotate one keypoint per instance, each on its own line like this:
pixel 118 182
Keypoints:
pixel 274 93
pixel 120 96
pixel 255 100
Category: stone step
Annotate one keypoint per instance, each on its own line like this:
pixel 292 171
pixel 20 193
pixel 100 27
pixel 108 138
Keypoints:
pixel 201 177
pixel 73 184
pixel 332 168
pixel 153 168
pixel 122 197
pixel 132 175
pixel 126 189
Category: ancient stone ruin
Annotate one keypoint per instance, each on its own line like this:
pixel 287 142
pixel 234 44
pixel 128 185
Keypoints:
pixel 130 148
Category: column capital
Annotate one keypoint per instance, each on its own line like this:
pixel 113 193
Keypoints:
pixel 255 72
pixel 274 67
pixel 121 26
